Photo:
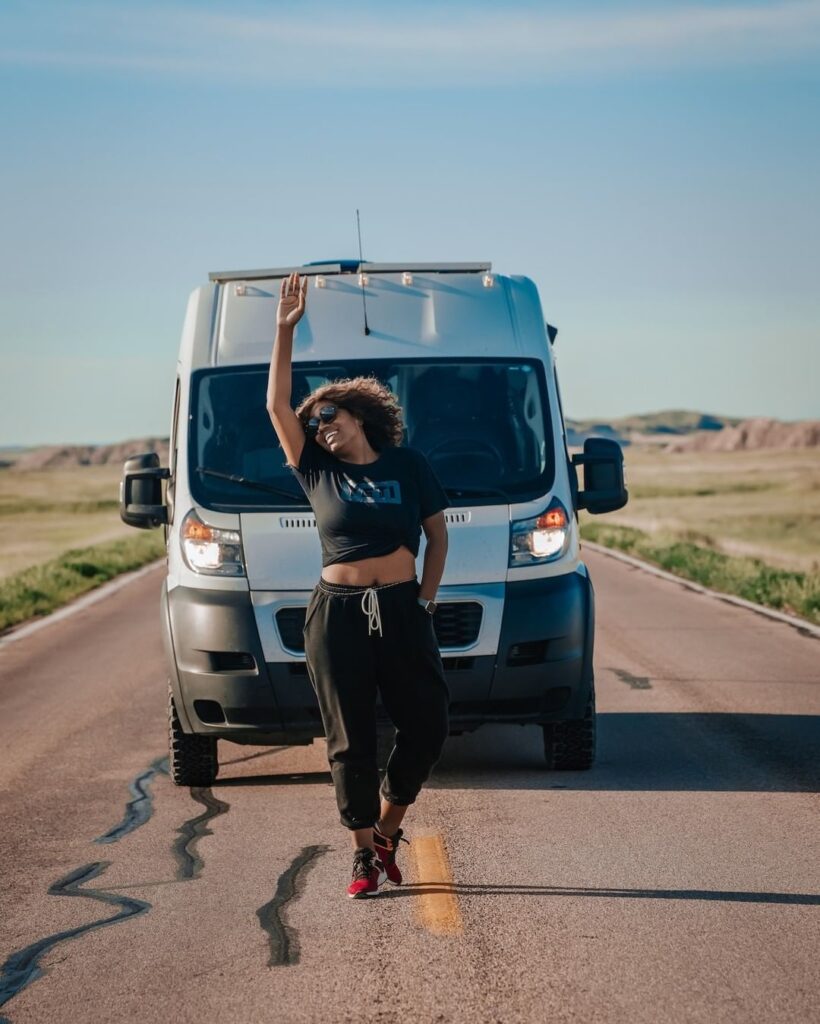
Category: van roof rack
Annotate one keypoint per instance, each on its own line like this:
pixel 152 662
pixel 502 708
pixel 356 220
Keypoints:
pixel 349 267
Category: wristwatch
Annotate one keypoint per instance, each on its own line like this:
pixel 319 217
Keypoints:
pixel 428 606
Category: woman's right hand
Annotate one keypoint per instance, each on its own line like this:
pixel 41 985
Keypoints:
pixel 292 297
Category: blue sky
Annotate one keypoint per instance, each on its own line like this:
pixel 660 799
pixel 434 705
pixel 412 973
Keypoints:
pixel 653 167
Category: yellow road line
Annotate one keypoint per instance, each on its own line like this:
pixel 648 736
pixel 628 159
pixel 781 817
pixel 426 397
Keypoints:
pixel 436 907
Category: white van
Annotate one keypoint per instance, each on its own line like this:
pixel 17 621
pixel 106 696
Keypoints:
pixel 470 358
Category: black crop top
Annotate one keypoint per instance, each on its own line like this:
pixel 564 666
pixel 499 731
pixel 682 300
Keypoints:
pixel 364 511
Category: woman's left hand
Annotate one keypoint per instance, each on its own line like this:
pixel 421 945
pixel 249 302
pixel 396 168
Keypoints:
pixel 292 297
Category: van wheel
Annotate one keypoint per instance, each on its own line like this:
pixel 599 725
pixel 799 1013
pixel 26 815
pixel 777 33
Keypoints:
pixel 570 746
pixel 193 759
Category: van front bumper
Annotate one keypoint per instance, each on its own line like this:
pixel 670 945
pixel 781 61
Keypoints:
pixel 543 669
pixel 223 686
pixel 219 679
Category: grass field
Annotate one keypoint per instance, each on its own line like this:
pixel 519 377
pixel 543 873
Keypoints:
pixel 45 512
pixel 61 535
pixel 746 523
pixel 762 504
pixel 43 588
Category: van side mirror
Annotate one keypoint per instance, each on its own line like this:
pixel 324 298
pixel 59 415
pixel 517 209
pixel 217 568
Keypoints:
pixel 603 463
pixel 141 503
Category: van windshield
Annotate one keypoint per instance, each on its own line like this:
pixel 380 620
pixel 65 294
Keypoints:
pixel 484 426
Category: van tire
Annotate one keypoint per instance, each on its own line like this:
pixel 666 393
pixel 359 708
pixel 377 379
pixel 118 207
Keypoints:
pixel 570 745
pixel 192 759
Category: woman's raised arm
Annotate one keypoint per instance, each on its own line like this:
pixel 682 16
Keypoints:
pixel 286 423
pixel 292 296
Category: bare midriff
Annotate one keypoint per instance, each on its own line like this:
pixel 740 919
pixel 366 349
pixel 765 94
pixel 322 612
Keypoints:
pixel 396 567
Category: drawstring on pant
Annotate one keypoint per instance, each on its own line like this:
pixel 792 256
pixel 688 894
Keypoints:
pixel 370 599
pixel 370 606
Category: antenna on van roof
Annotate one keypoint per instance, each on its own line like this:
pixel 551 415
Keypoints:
pixel 362 278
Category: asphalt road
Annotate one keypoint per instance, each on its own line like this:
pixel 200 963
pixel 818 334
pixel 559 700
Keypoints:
pixel 677 880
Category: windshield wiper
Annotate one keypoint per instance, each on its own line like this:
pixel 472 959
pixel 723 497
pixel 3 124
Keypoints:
pixel 458 492
pixel 476 492
pixel 255 484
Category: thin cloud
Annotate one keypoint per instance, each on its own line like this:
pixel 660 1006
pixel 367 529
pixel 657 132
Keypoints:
pixel 422 46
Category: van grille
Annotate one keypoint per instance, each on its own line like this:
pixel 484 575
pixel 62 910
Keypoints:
pixel 305 522
pixel 457 624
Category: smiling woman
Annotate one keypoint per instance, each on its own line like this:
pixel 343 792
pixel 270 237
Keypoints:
pixel 369 623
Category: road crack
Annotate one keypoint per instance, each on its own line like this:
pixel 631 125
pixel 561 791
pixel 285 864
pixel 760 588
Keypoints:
pixel 141 806
pixel 635 682
pixel 189 863
pixel 283 939
pixel 23 966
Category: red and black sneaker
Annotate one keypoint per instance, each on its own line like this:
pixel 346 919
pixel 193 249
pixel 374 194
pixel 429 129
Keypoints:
pixel 368 874
pixel 387 847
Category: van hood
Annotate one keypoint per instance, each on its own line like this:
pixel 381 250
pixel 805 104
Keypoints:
pixel 282 550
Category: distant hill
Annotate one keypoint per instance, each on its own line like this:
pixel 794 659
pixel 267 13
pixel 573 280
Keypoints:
pixel 751 435
pixel 64 456
pixel 676 430
pixel 649 428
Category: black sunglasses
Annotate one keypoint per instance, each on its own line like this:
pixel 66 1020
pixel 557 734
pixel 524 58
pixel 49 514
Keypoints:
pixel 327 414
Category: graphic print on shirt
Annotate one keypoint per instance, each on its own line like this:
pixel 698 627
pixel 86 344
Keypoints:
pixel 368 492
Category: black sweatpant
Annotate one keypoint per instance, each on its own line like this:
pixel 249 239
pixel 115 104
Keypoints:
pixel 364 640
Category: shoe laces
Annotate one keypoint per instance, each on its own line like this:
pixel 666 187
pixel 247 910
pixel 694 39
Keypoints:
pixel 362 863
pixel 390 844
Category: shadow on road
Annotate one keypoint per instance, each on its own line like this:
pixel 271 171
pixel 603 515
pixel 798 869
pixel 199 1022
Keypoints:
pixel 726 896
pixel 285 779
pixel 636 751
pixel 252 757
pixel 646 751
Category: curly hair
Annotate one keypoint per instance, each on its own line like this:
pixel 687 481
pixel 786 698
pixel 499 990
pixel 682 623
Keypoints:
pixel 367 398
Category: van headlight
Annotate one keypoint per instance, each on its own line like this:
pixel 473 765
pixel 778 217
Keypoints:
pixel 541 539
pixel 209 549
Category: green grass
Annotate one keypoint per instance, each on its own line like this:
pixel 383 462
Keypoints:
pixel 643 492
pixel 34 507
pixel 744 523
pixel 46 512
pixel 764 505
pixel 42 588
pixel 695 557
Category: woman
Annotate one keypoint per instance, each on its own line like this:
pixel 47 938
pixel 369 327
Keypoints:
pixel 369 622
